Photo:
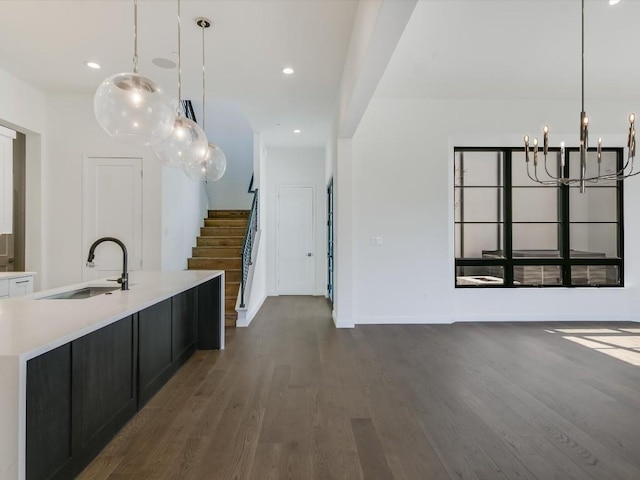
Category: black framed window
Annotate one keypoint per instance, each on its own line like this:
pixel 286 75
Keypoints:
pixel 513 232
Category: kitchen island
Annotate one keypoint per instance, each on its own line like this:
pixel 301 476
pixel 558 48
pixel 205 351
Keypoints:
pixel 74 371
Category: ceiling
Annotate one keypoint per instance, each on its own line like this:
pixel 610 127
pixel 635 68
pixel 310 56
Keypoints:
pixel 516 49
pixel 449 49
pixel 46 42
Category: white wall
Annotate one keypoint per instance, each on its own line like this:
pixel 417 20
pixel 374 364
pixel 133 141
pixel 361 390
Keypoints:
pixel 227 127
pixel 343 208
pixel 21 105
pixel 402 190
pixel 296 166
pixel 184 207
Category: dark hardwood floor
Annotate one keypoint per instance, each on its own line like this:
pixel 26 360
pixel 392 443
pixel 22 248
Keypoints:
pixel 294 398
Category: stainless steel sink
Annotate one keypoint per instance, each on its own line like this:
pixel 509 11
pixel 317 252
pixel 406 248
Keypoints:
pixel 86 292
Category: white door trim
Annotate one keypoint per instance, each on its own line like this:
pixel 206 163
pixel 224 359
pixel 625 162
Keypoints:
pixel 7 132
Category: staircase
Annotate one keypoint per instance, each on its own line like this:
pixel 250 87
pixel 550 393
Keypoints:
pixel 219 247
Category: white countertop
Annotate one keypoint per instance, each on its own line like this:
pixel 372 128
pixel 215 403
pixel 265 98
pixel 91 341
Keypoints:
pixel 30 327
pixel 5 275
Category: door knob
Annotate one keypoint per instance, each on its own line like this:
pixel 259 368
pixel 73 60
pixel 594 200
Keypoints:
pixel 309 254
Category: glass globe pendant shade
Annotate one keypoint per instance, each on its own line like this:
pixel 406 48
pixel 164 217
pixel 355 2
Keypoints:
pixel 196 171
pixel 216 163
pixel 210 169
pixel 134 109
pixel 186 144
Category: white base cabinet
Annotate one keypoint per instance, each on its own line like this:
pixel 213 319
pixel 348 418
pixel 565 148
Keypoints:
pixel 16 284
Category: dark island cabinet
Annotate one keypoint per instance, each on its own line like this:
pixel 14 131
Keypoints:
pixel 154 349
pixel 183 321
pixel 78 397
pixel 81 394
pixel 209 305
pixel 49 414
pixel 103 386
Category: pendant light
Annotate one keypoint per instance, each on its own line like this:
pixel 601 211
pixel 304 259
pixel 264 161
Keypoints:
pixel 214 165
pixel 133 108
pixel 188 142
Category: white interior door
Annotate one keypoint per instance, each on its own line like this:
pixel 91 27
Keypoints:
pixel 296 262
pixel 112 208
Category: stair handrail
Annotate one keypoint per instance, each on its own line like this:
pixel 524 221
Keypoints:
pixel 247 245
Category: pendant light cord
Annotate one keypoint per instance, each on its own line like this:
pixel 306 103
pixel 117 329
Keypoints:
pixel 135 36
pixel 583 55
pixel 179 62
pixel 203 80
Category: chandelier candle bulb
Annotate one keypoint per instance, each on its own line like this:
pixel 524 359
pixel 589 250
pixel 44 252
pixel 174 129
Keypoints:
pixel 535 152
pixel 545 132
pixel 526 148
pixel 599 150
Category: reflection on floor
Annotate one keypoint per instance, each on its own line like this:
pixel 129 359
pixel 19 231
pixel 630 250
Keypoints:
pixel 620 343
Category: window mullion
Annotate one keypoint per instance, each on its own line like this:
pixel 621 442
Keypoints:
pixel 507 218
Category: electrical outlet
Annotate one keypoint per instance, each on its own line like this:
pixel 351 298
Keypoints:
pixel 376 241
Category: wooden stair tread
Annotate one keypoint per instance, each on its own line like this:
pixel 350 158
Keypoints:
pixel 227 213
pixel 225 222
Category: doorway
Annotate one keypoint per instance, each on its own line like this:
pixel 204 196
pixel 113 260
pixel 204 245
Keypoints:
pixel 330 241
pixel 296 263
pixel 12 245
pixel 112 208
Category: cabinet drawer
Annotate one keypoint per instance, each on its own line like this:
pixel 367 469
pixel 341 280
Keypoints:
pixel 4 288
pixel 20 286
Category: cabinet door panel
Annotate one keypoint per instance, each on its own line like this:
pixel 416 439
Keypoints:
pixel 184 324
pixel 104 383
pixel 48 413
pixel 209 315
pixel 154 349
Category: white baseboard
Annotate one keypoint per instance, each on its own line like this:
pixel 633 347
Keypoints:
pixel 403 320
pixel 341 324
pixel 245 316
pixel 448 319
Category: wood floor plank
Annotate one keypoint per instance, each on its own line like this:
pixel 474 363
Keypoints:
pixel 292 397
pixel 266 461
pixel 372 458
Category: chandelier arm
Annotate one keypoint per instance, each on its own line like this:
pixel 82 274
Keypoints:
pixel 546 169
pixel 535 175
pixel 620 174
pixel 536 179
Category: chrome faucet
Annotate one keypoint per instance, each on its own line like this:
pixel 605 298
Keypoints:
pixel 124 279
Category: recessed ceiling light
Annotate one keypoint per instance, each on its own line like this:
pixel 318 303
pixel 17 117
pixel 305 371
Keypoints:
pixel 164 62
pixel 94 65
pixel 297 130
pixel 614 2
pixel 287 71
